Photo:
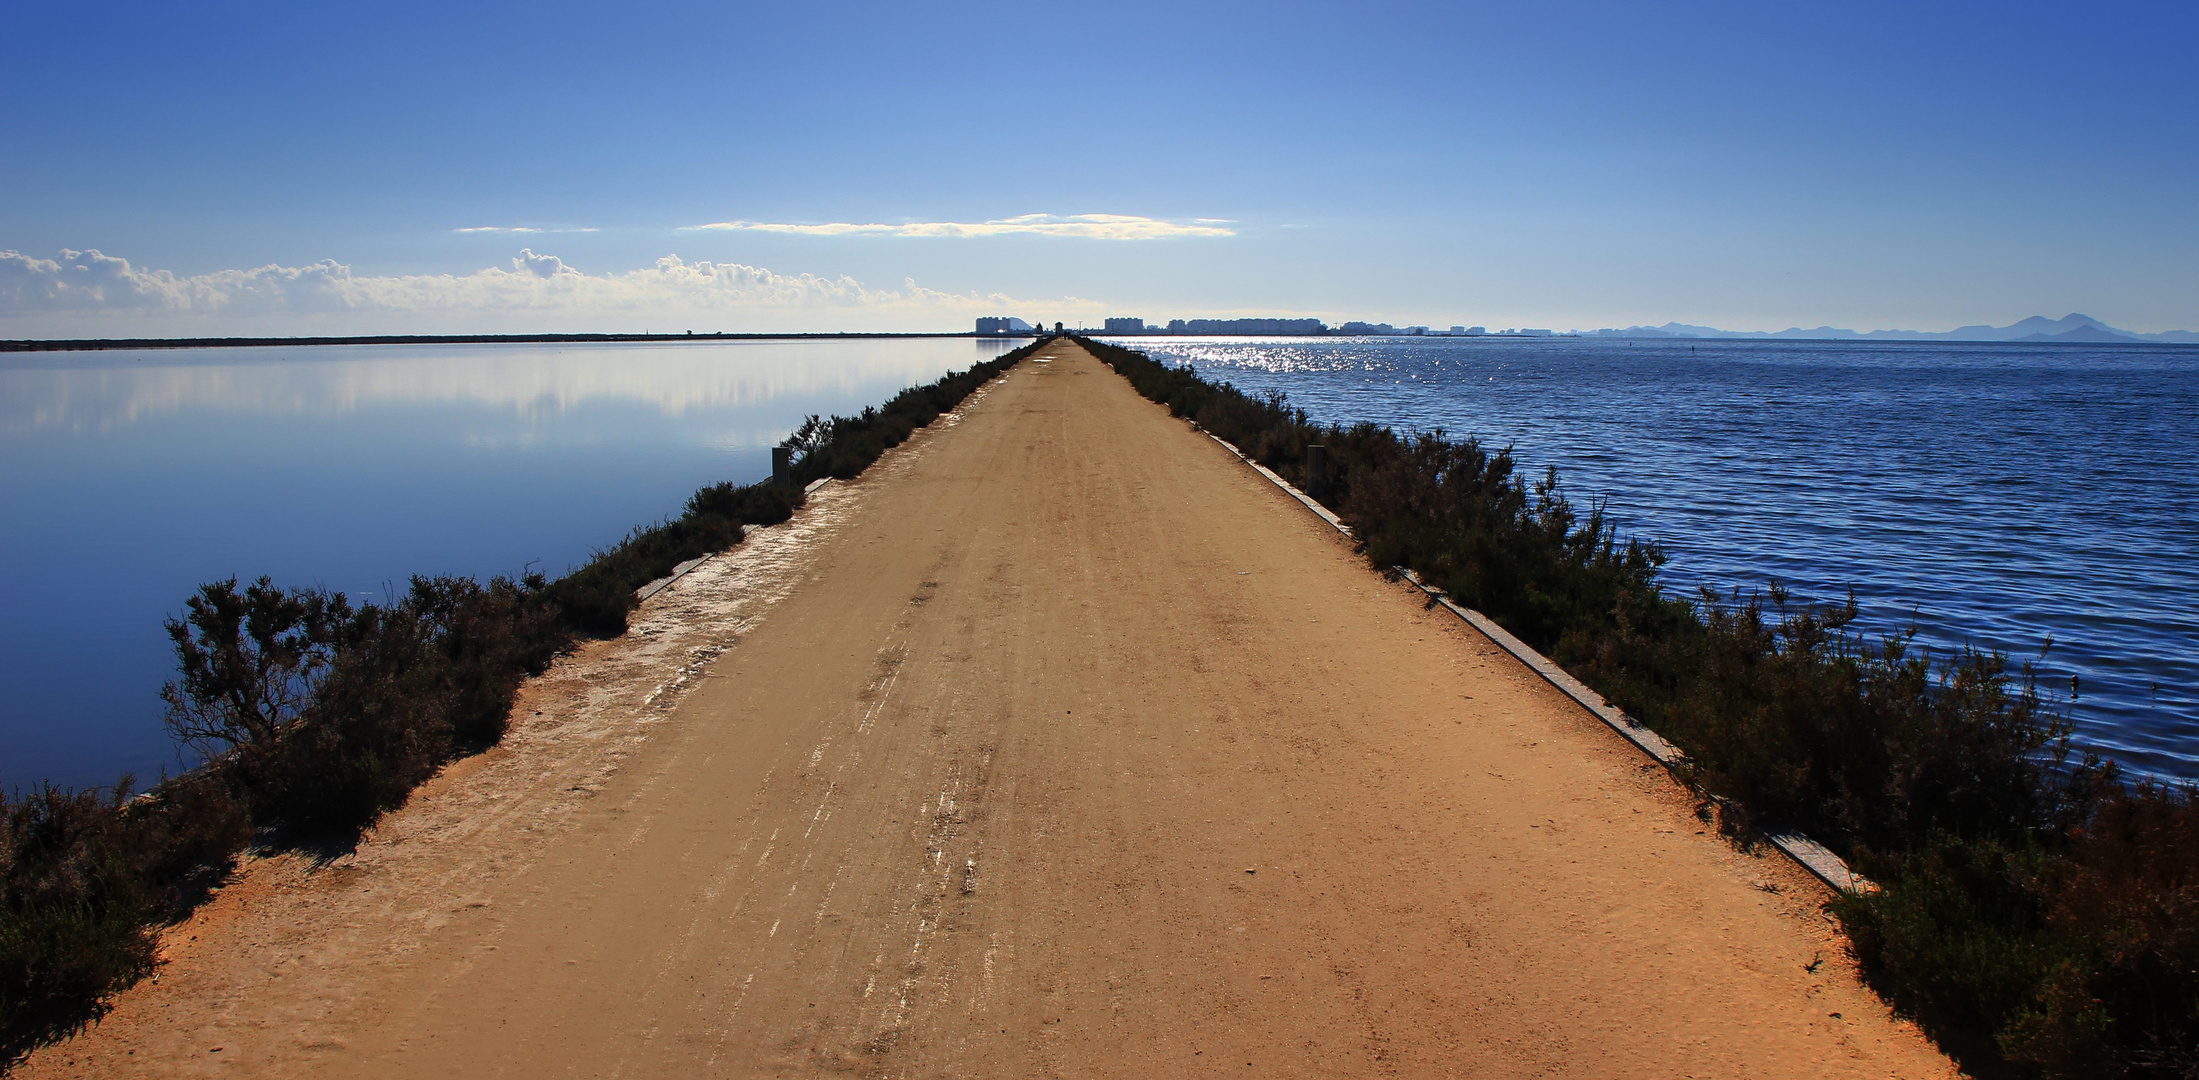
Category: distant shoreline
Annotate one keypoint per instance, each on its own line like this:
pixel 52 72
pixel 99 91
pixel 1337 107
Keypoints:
pixel 33 345
pixel 98 344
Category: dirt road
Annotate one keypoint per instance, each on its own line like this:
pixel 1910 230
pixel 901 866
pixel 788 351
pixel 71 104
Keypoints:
pixel 1063 746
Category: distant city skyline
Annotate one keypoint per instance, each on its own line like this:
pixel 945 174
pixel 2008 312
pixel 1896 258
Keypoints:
pixel 256 168
pixel 2072 328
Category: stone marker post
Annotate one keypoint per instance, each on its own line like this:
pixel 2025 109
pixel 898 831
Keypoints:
pixel 782 465
pixel 1317 469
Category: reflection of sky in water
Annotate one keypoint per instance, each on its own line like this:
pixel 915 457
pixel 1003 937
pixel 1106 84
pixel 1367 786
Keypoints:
pixel 99 392
pixel 131 477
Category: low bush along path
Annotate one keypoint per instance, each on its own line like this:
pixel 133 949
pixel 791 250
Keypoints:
pixel 1072 747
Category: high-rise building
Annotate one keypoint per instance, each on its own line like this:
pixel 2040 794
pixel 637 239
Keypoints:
pixel 1125 326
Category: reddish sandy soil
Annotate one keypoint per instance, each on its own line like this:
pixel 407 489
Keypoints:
pixel 1061 744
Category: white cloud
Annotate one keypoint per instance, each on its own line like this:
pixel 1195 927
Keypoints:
pixel 541 266
pixel 81 293
pixel 82 280
pixel 1086 226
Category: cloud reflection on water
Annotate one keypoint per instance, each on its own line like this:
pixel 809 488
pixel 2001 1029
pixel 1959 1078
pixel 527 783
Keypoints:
pixel 89 393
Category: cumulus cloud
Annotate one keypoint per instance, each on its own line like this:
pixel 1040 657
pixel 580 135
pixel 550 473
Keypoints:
pixel 1086 226
pixel 91 281
pixel 535 286
pixel 541 266
pixel 82 280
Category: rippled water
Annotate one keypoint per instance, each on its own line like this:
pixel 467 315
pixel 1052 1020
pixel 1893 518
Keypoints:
pixel 1997 494
pixel 131 477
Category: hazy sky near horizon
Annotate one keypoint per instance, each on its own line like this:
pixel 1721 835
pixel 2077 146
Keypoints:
pixel 254 167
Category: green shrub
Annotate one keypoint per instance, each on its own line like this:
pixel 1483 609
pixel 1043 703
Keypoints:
pixel 487 639
pixel 597 598
pixel 752 504
pixel 2124 903
pixel 249 661
pixel 1956 938
pixel 378 725
pixel 184 834
pixel 2074 958
pixel 75 914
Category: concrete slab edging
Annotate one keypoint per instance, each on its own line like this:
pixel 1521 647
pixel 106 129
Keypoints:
pixel 1807 853
pixel 1335 522
pixel 678 572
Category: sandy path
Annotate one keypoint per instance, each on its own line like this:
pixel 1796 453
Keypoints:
pixel 1073 748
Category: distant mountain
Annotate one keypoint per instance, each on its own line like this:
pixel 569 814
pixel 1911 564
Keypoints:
pixel 2082 333
pixel 2071 327
pixel 2041 328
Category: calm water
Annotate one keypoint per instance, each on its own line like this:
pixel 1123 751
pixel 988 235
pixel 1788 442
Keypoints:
pixel 130 477
pixel 1996 494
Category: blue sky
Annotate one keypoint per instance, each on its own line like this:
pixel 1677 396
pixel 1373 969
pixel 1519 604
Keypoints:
pixel 1753 166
